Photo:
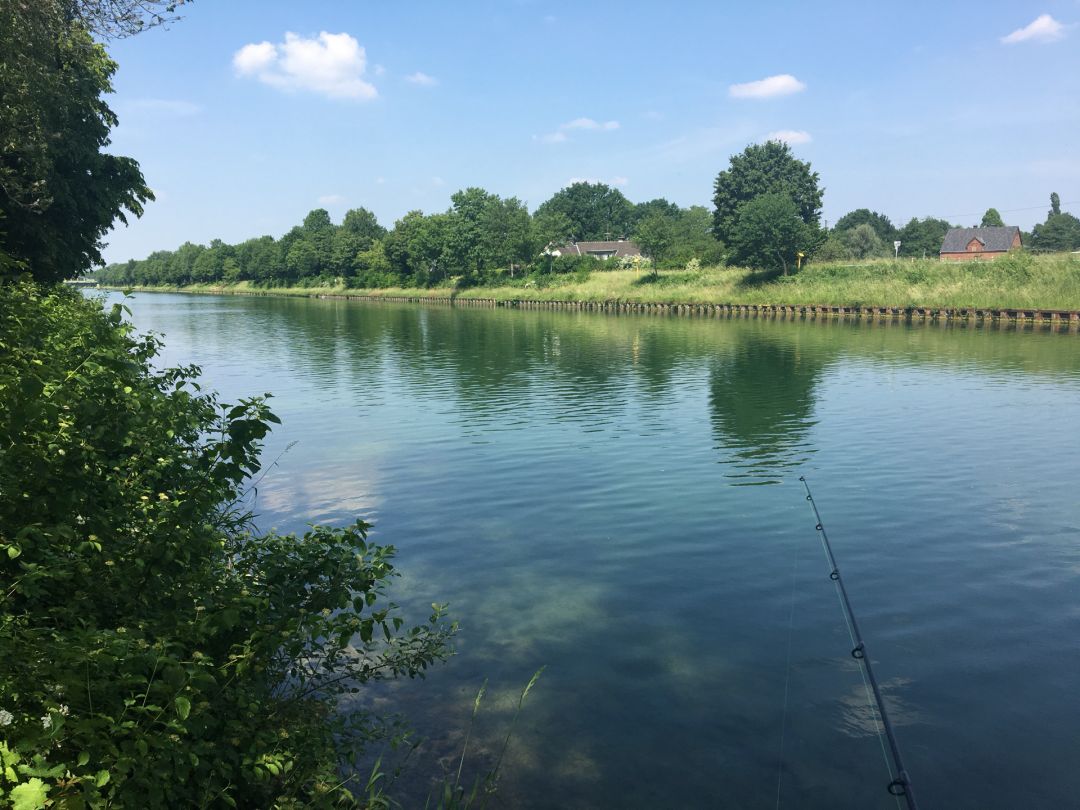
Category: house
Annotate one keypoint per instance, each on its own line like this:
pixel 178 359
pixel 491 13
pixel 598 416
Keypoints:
pixel 963 244
pixel 602 250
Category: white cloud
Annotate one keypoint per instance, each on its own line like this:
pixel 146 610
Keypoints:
pixel 588 123
pixel 552 137
pixel 379 70
pixel 421 79
pixel 437 181
pixel 380 180
pixel 791 136
pixel 584 124
pixel 331 199
pixel 1043 28
pixel 165 106
pixel 330 65
pixel 783 85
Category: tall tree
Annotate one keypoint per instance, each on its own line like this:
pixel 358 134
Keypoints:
pixel 922 237
pixel 1060 232
pixel 991 219
pixel 863 242
pixel 769 233
pixel 1055 203
pixel 655 235
pixel 765 169
pixel 595 210
pixel 59 192
pixel 881 224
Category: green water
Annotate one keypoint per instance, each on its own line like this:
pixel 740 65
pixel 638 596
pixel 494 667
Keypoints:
pixel 617 498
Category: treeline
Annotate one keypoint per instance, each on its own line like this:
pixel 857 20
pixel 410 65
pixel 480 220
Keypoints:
pixel 866 234
pixel 481 238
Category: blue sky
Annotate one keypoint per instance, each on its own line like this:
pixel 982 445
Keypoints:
pixel 246 115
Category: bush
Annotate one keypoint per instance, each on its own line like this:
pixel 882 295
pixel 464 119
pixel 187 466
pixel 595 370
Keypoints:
pixel 158 652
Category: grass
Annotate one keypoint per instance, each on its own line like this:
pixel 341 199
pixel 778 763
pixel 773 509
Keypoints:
pixel 1015 281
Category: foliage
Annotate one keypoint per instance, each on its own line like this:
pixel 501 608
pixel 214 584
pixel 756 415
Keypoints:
pixel 1060 232
pixel 122 18
pixel 764 169
pixel 768 233
pixel 880 223
pixel 922 238
pixel 158 652
pixel 991 219
pixel 59 192
pixel 862 242
pixel 594 210
pixel 1055 204
pixel 655 235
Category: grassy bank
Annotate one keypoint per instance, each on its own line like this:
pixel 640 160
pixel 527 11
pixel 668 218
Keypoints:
pixel 1021 281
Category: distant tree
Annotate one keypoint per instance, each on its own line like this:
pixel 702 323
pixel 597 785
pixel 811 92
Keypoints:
pixel 59 192
pixel 991 219
pixel 506 234
pixel 834 248
pixel 655 236
pixel 693 237
pixel 1055 203
pixel 922 237
pixel 764 169
pixel 769 233
pixel 1060 232
pixel 863 242
pixel 302 260
pixel 552 228
pixel 363 224
pixel 881 224
pixel 595 210
pixel 659 206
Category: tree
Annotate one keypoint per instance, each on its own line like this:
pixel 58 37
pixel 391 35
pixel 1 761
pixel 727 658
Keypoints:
pixel 122 18
pixel 158 651
pixel 693 237
pixel 991 219
pixel 655 235
pixel 595 210
pixel 1055 203
pixel 922 237
pixel 769 232
pixel 863 242
pixel 761 169
pixel 1060 232
pixel 59 192
pixel 881 224
pixel 506 233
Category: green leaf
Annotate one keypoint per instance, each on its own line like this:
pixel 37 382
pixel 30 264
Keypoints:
pixel 183 707
pixel 84 757
pixel 29 795
pixel 102 778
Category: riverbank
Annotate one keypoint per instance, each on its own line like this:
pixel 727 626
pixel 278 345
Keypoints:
pixel 998 289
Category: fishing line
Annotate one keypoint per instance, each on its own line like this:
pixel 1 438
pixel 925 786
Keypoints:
pixel 900 786
pixel 787 674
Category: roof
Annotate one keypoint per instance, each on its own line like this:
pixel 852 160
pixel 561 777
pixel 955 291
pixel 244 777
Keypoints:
pixel 619 247
pixel 994 240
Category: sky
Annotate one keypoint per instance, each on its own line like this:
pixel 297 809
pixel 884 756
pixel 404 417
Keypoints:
pixel 246 115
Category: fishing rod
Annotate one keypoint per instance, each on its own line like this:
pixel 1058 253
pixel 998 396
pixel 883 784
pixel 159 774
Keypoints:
pixel 901 785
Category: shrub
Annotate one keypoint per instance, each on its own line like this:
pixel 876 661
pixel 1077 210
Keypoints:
pixel 158 652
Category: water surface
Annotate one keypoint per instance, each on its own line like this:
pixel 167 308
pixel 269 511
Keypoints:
pixel 617 498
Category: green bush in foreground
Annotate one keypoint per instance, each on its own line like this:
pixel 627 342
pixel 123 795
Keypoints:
pixel 156 651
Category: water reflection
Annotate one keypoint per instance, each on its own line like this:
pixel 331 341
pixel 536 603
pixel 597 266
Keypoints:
pixel 761 395
pixel 563 480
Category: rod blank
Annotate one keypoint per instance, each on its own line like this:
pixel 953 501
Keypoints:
pixel 901 785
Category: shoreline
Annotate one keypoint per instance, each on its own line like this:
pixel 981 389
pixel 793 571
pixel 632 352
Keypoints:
pixel 908 314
